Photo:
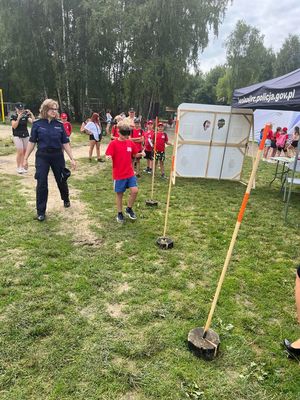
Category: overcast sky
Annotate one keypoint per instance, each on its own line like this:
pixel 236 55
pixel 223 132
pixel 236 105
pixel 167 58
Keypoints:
pixel 274 18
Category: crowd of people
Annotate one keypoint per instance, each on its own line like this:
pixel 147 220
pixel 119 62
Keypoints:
pixel 51 133
pixel 279 142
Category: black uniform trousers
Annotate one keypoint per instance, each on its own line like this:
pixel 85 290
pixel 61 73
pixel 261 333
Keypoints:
pixel 45 159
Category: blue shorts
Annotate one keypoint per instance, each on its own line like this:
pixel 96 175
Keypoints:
pixel 120 185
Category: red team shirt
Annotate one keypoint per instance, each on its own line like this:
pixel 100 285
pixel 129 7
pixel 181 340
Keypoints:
pixel 161 140
pixel 137 133
pixel 115 131
pixel 122 153
pixel 148 135
pixel 68 128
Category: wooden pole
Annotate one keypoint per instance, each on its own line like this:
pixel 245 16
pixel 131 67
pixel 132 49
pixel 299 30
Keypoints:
pixel 170 181
pixel 154 154
pixel 2 105
pixel 237 227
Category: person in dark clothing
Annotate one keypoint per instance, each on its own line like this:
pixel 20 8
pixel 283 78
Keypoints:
pixel 49 135
pixel 19 122
pixel 293 348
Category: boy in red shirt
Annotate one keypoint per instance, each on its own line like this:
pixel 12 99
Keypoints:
pixel 66 124
pixel 161 141
pixel 148 147
pixel 137 137
pixel 121 151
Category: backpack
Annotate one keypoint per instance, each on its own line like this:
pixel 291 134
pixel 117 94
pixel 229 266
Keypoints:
pixel 280 142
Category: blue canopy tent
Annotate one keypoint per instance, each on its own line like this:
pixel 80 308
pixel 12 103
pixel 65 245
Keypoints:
pixel 282 93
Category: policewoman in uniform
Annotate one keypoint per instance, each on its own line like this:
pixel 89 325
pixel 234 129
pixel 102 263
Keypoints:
pixel 19 122
pixel 51 139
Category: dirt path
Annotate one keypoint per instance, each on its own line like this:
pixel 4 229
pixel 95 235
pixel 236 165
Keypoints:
pixel 75 219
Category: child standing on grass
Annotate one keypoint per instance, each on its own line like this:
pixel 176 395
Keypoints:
pixel 67 125
pixel 137 137
pixel 149 140
pixel 161 142
pixel 121 151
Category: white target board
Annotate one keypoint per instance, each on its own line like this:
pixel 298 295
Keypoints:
pixel 211 141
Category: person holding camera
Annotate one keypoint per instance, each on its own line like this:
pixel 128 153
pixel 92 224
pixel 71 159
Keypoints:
pixel 19 122
pixel 51 139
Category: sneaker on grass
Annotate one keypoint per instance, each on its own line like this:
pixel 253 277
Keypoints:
pixel 130 213
pixel 120 218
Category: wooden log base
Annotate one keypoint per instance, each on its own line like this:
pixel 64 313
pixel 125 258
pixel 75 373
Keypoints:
pixel 165 243
pixel 206 348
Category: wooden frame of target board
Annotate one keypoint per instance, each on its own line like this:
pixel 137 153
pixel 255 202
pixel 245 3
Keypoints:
pixel 211 141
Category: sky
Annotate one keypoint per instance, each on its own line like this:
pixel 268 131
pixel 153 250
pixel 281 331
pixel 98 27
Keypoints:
pixel 275 19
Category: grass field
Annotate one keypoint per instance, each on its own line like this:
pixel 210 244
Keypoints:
pixel 108 318
pixel 7 145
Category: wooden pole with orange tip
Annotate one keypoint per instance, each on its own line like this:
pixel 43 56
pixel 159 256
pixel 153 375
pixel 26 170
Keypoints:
pixel 204 341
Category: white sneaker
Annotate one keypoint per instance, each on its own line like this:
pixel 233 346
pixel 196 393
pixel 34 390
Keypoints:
pixel 20 170
pixel 25 170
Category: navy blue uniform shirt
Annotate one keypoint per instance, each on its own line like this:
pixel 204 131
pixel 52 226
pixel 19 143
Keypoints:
pixel 48 135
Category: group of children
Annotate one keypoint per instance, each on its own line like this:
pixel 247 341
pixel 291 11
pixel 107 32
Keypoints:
pixel 129 143
pixel 278 141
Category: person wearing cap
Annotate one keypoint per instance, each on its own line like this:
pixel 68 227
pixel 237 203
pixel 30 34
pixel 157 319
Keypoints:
pixel 161 141
pixel 50 137
pixel 130 119
pixel 67 125
pixel 148 146
pixel 19 122
pixel 281 140
pixel 137 136
pixel 122 151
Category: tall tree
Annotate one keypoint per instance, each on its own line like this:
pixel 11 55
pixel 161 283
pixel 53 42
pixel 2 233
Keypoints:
pixel 96 53
pixel 248 59
pixel 288 57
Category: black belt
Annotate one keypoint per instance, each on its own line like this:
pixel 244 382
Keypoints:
pixel 50 150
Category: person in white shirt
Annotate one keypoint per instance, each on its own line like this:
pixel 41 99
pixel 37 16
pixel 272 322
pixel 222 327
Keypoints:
pixel 93 129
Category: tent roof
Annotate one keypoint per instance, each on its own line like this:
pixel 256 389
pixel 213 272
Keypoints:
pixel 281 93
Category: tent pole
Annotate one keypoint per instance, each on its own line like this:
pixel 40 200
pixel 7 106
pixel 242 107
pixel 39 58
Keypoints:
pixel 291 185
pixel 252 149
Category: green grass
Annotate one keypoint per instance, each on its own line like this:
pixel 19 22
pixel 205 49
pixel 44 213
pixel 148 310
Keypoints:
pixel 6 147
pixel 110 320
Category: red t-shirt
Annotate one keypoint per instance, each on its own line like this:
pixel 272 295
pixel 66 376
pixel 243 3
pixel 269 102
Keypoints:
pixel 161 140
pixel 122 152
pixel 270 135
pixel 115 131
pixel 68 128
pixel 137 133
pixel 149 135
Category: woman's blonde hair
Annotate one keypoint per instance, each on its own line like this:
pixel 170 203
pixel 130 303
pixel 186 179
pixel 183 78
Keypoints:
pixel 45 107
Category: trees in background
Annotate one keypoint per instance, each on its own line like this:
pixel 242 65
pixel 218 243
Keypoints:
pixel 248 60
pixel 103 53
pixel 93 54
pixel 288 57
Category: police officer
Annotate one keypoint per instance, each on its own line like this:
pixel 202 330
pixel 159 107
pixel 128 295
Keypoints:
pixel 19 122
pixel 49 135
